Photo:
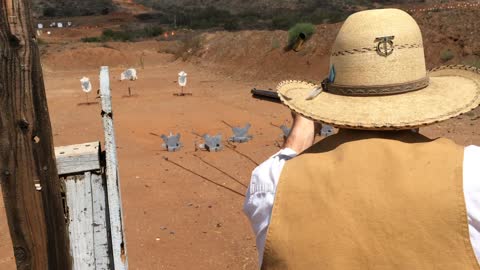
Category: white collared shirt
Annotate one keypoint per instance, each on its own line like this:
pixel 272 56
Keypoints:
pixel 261 194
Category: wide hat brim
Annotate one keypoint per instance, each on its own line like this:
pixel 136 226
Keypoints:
pixel 452 91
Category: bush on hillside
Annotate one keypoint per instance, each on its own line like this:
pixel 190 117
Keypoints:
pixel 446 55
pixel 157 17
pixel 91 39
pixel 152 31
pixel 49 12
pixel 307 29
pixel 474 63
pixel 127 34
pixel 231 25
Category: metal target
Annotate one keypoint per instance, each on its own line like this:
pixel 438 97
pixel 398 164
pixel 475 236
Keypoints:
pixel 182 79
pixel 240 134
pixel 172 143
pixel 86 85
pixel 213 143
pixel 286 130
pixel 129 74
pixel 327 130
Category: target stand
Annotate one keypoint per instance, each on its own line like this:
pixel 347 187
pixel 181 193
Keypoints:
pixel 130 95
pixel 182 93
pixel 86 88
pixel 87 103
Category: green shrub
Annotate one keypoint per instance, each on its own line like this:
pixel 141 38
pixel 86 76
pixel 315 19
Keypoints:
pixel 127 34
pixel 306 29
pixel 275 43
pixel 157 17
pixel 446 55
pixel 152 31
pixel 231 25
pixel 111 35
pixel 49 12
pixel 91 39
pixel 474 63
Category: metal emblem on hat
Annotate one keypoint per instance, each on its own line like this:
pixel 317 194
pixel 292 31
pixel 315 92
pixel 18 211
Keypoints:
pixel 385 45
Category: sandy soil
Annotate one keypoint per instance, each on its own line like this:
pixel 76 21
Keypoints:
pixel 174 219
pixel 198 225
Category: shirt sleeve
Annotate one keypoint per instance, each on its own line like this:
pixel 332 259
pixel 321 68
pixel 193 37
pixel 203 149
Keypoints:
pixel 261 194
pixel 471 189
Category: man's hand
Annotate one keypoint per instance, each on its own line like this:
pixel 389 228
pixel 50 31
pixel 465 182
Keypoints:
pixel 302 135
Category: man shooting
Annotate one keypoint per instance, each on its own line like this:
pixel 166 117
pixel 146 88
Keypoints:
pixel 377 195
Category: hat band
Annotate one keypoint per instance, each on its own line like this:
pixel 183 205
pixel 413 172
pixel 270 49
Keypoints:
pixel 375 90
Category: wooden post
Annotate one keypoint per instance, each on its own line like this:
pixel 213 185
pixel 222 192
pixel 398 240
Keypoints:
pixel 113 180
pixel 28 173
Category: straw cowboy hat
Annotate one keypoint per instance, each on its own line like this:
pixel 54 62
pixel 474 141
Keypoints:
pixel 378 79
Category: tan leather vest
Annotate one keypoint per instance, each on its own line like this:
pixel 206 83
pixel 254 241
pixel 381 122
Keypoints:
pixel 372 200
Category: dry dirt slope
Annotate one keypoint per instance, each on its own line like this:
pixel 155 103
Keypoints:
pixel 260 54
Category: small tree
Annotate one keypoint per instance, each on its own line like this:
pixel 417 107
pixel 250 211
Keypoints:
pixel 304 30
pixel 446 55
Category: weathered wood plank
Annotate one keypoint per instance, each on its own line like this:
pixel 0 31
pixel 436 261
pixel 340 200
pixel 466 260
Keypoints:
pixel 102 247
pixel 113 180
pixel 28 172
pixel 87 221
pixel 80 215
pixel 78 158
